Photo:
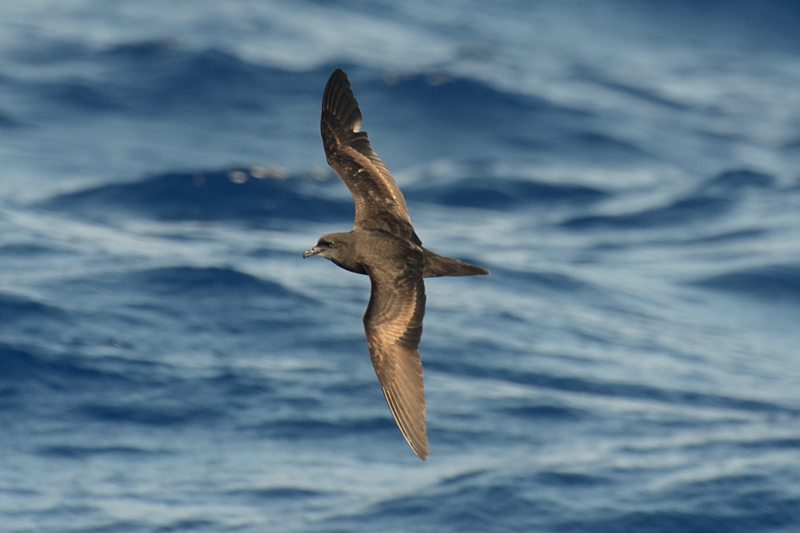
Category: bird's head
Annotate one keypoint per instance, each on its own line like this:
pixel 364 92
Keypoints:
pixel 336 247
pixel 327 246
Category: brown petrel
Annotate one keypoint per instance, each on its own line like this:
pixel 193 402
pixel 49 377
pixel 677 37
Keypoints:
pixel 384 246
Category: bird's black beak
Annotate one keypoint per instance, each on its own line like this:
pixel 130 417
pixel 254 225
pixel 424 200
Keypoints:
pixel 314 251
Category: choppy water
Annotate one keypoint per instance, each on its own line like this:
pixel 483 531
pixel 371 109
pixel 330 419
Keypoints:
pixel 628 171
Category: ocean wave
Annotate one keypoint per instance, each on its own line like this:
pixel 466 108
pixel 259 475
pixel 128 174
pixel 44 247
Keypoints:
pixel 682 211
pixel 57 373
pixel 207 280
pixel 208 195
pixel 554 281
pixel 6 122
pixel 301 429
pixel 162 411
pixel 772 282
pixel 545 412
pixel 712 199
pixel 14 308
pixel 178 285
pixel 152 77
pixel 274 198
pixel 503 193
pixel 620 389
pixel 468 119
pixel 28 249
pixel 76 451
pixel 281 494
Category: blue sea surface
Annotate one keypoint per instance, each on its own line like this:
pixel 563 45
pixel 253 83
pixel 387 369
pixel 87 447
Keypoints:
pixel 628 171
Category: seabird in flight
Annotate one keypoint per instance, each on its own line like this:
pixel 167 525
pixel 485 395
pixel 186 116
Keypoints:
pixel 384 246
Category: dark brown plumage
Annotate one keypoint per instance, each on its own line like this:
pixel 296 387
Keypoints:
pixel 384 246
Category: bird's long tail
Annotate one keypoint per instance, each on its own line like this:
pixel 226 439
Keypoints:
pixel 439 265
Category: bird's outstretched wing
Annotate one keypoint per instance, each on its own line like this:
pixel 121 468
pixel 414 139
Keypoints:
pixel 393 323
pixel 379 203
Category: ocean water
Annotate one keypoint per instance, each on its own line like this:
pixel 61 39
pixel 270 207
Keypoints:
pixel 628 171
